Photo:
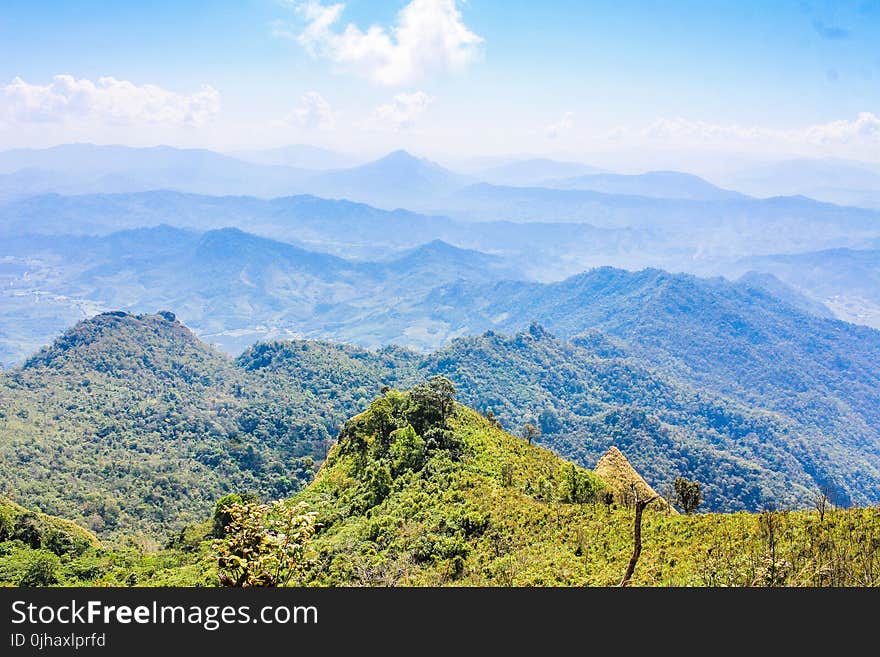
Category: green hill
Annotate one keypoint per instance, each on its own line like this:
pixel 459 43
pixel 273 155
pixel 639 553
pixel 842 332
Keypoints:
pixel 421 491
pixel 130 423
pixel 731 340
pixel 587 395
pixel 37 549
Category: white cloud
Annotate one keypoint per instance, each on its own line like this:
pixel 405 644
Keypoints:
pixel 562 126
pixel 403 110
pixel 429 37
pixel 313 112
pixel 108 100
pixel 680 128
pixel 864 129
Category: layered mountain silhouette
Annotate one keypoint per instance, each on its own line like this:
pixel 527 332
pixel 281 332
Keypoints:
pixel 533 172
pixel 654 184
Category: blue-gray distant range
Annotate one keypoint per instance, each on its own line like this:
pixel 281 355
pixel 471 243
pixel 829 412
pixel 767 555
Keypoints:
pixel 529 219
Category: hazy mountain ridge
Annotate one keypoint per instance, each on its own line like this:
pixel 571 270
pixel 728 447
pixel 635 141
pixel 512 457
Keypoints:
pixel 231 286
pixel 86 168
pixel 833 180
pixel 654 184
pixel 533 171
pixel 846 280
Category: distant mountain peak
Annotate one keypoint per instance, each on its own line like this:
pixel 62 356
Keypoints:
pixel 401 154
pixel 441 246
pixel 403 158
pixel 392 181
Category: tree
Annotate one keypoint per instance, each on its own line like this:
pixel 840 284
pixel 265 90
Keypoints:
pixel 530 432
pixel 577 486
pixel 822 501
pixel 640 504
pixel 407 450
pixel 431 404
pixel 265 544
pixel 30 530
pixel 42 569
pixel 222 517
pixel 7 523
pixel 687 494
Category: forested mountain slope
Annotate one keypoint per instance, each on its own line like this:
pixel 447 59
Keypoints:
pixel 421 491
pixel 131 423
pixel 732 339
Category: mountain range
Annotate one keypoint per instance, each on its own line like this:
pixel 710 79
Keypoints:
pixel 144 424
pixel 833 180
pixel 845 280
pixel 701 237
pixel 234 287
pixel 399 179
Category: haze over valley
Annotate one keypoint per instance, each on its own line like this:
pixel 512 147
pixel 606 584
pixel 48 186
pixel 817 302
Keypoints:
pixel 260 268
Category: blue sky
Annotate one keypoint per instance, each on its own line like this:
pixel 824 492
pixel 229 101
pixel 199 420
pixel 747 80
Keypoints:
pixel 441 77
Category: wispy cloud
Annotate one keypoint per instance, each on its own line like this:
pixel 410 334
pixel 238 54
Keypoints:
pixel 831 32
pixel 282 30
pixel 863 130
pixel 560 127
pixel 403 110
pixel 107 100
pixel 428 37
pixel 313 112
pixel 866 127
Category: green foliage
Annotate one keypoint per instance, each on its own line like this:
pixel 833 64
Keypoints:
pixel 42 569
pixel 768 376
pixel 7 522
pixel 578 487
pixel 687 494
pixel 431 404
pixel 407 451
pixel 384 523
pixel 587 400
pixel 132 427
pixel 147 427
pixel 40 531
pixel 507 514
pixel 494 512
pixel 222 515
pixel 129 423
pixel 264 544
